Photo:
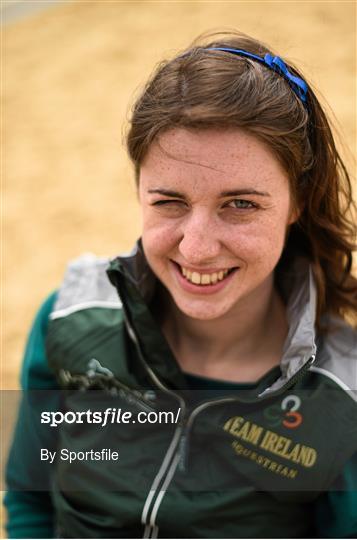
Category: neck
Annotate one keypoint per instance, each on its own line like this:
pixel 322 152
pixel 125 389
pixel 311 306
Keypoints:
pixel 251 333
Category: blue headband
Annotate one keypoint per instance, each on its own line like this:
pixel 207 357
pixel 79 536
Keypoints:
pixel 276 64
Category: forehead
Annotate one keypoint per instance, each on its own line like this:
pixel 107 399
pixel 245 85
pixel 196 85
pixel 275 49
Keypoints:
pixel 222 156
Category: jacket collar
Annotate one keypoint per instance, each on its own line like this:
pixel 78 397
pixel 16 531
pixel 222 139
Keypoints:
pixel 299 288
pixel 136 285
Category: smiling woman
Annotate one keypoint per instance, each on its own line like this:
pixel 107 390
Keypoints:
pixel 231 311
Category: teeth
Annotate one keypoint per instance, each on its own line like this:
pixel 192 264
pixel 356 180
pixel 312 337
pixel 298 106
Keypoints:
pixel 203 279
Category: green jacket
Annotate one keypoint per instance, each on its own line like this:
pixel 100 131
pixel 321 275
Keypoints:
pixel 273 459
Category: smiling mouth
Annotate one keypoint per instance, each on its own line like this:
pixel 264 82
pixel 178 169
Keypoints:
pixel 205 279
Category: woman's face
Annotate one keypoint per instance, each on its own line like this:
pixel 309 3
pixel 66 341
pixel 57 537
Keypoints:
pixel 216 206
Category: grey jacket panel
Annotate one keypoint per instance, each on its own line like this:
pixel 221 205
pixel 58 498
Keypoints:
pixel 337 357
pixel 300 343
pixel 85 285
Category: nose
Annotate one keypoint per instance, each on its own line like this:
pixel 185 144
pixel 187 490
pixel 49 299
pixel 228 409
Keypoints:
pixel 200 242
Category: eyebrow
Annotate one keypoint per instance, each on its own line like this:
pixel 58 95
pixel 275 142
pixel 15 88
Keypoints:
pixel 233 193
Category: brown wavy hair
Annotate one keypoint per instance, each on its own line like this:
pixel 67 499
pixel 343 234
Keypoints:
pixel 202 89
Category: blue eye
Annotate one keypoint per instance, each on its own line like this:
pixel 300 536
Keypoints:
pixel 242 204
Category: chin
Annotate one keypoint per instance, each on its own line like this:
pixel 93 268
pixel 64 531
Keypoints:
pixel 203 311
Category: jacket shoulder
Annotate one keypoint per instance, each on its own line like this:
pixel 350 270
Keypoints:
pixel 86 328
pixel 85 285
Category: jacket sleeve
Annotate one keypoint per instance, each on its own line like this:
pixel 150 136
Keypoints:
pixel 29 510
pixel 336 510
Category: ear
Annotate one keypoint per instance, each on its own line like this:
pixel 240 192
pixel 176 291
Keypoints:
pixel 294 213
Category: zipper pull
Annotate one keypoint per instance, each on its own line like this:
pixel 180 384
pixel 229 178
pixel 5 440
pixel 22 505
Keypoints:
pixel 312 359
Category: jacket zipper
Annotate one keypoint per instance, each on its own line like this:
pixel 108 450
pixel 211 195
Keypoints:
pixel 169 463
pixel 297 377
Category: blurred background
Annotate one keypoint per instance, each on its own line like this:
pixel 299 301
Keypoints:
pixel 70 71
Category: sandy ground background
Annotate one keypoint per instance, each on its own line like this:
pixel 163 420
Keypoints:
pixel 69 74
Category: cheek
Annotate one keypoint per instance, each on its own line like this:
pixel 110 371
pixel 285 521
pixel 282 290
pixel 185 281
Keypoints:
pixel 158 237
pixel 259 243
